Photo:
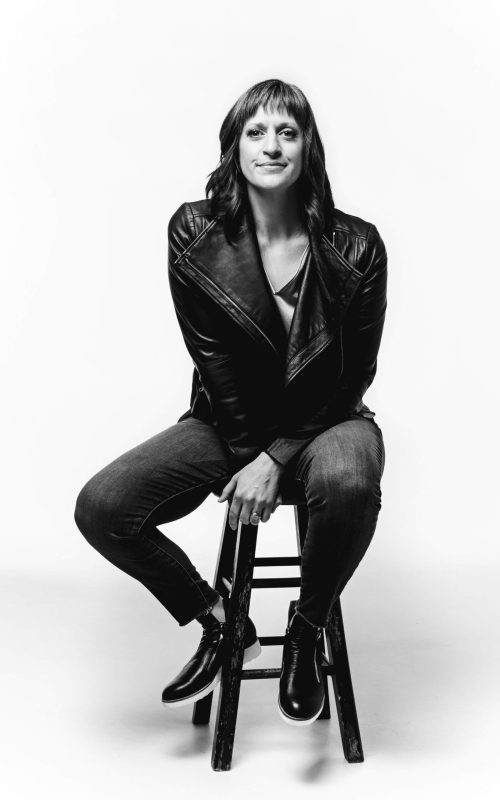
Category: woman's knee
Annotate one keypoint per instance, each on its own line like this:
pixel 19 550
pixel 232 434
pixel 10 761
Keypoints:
pixel 340 480
pixel 95 509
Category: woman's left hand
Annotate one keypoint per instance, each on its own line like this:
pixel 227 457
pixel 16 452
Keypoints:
pixel 255 487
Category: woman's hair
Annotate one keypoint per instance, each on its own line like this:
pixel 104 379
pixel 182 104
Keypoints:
pixel 227 185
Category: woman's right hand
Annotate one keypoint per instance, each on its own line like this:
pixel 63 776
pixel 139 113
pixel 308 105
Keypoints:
pixel 277 502
pixel 254 488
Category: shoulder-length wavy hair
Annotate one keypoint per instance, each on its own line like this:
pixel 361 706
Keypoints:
pixel 226 186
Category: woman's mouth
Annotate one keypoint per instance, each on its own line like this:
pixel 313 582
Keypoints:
pixel 272 166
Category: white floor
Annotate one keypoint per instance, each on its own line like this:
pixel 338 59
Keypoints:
pixel 85 661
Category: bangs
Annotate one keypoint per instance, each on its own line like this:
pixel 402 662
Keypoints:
pixel 274 96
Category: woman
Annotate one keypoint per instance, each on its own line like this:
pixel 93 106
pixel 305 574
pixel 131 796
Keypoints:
pixel 281 300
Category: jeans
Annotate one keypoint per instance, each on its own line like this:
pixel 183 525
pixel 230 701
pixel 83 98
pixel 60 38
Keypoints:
pixel 173 472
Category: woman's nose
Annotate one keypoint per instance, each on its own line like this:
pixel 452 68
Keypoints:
pixel 271 145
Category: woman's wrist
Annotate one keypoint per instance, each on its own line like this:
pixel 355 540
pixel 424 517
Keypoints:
pixel 270 460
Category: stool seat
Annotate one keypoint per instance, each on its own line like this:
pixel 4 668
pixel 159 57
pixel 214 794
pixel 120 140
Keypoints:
pixel 292 492
pixel 236 561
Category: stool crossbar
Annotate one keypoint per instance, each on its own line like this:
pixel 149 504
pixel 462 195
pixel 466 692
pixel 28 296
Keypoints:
pixel 236 560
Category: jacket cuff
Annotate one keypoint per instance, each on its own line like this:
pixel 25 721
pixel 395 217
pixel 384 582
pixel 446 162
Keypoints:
pixel 284 448
pixel 242 455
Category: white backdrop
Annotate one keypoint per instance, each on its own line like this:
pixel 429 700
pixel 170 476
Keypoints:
pixel 111 112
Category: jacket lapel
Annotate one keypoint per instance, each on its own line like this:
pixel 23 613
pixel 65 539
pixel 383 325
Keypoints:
pixel 327 287
pixel 234 276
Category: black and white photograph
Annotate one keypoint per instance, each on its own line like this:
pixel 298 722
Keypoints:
pixel 249 327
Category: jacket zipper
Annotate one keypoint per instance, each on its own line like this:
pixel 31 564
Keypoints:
pixel 238 308
pixel 196 239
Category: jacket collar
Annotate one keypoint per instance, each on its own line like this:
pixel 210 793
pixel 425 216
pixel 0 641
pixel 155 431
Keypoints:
pixel 234 276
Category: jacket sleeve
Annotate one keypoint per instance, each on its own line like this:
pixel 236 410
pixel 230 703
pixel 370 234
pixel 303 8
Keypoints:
pixel 207 343
pixel 361 335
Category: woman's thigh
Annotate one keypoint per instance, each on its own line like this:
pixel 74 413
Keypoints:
pixel 347 456
pixel 160 480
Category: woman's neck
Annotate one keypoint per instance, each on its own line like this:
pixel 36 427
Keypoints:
pixel 276 215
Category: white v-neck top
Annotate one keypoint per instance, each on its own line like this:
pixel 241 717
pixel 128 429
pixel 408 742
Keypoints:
pixel 286 297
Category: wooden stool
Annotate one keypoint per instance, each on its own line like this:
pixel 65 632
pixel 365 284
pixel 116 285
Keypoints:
pixel 236 561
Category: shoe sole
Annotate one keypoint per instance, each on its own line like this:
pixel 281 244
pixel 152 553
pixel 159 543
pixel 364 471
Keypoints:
pixel 249 654
pixel 295 721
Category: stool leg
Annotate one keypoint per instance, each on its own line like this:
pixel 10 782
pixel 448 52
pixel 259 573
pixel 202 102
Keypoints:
pixel 301 523
pixel 225 725
pixel 342 686
pixel 224 568
pixel 325 713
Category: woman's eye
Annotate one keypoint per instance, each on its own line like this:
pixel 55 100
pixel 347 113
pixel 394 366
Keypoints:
pixel 289 133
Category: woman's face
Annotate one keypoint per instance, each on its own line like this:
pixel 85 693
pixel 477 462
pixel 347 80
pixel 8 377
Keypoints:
pixel 271 147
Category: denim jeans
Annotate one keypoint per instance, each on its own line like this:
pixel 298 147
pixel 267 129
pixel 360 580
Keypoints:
pixel 173 472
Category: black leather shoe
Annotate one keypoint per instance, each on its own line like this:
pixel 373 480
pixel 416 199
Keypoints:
pixel 202 672
pixel 301 691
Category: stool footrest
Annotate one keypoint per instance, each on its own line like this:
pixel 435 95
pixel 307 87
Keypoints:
pixel 278 561
pixel 274 672
pixel 248 674
pixel 274 583
pixel 270 640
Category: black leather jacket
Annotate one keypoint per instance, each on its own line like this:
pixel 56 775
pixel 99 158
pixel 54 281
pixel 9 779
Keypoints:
pixel 262 389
